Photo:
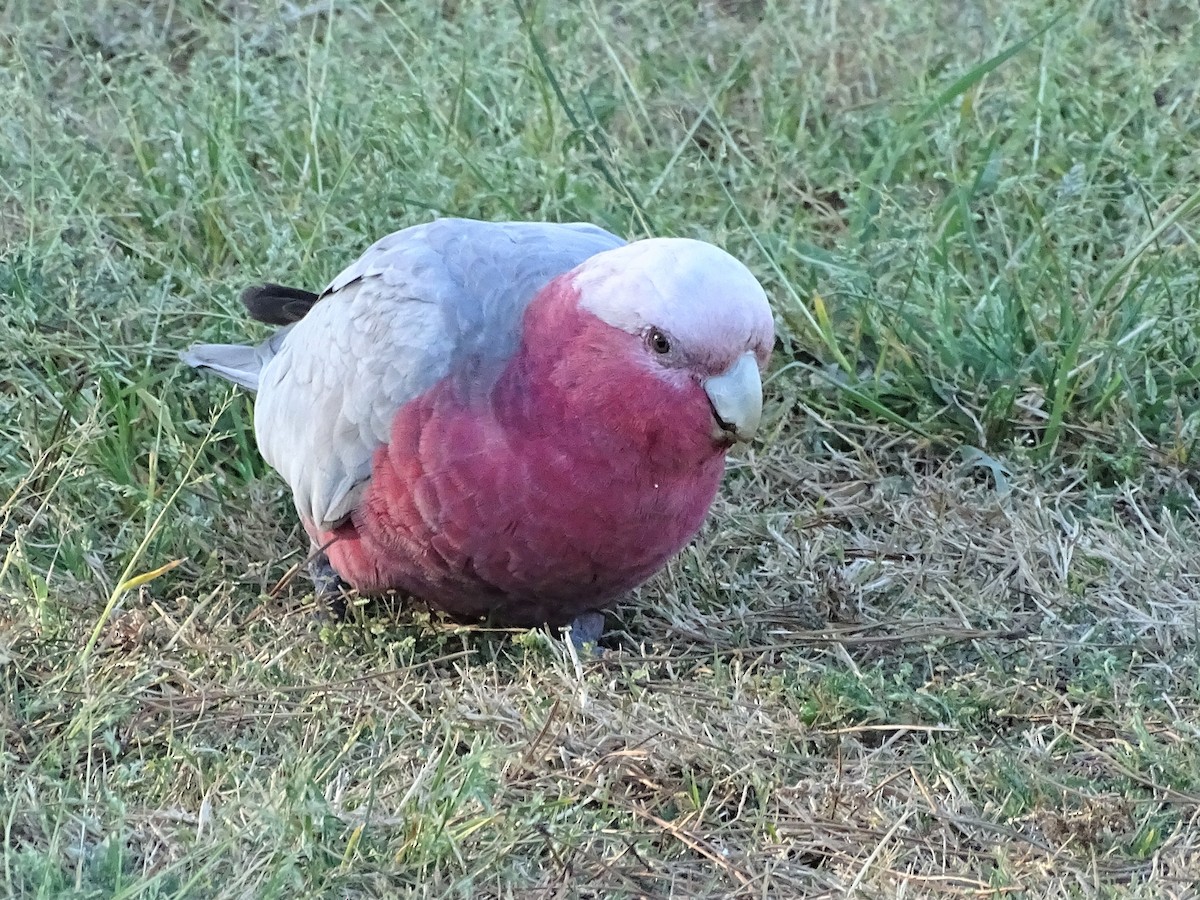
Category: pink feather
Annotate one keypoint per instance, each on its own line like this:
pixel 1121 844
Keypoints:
pixel 574 481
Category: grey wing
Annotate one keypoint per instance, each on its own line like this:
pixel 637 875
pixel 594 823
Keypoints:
pixel 416 305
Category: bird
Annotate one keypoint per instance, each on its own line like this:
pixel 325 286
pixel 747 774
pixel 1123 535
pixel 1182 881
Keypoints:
pixel 517 422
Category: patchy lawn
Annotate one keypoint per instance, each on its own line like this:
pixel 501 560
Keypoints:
pixel 940 635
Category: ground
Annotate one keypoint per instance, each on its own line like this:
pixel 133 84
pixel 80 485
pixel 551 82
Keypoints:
pixel 940 634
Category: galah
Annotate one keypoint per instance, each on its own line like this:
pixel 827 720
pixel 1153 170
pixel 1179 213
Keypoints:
pixel 512 421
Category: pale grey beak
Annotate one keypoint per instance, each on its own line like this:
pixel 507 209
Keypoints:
pixel 736 398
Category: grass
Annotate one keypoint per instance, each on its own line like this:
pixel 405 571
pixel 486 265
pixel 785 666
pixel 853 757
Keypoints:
pixel 940 634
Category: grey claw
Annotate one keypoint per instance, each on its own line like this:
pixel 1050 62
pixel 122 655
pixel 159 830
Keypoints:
pixel 328 586
pixel 587 629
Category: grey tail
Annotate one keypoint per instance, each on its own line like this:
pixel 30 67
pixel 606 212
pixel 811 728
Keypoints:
pixel 278 305
pixel 238 363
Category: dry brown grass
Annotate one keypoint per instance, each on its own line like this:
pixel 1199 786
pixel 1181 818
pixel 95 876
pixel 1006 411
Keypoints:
pixel 872 674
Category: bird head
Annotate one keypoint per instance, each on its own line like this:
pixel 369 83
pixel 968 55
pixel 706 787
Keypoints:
pixel 686 331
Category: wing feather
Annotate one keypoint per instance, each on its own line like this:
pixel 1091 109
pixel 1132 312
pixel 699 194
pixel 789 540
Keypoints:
pixel 415 306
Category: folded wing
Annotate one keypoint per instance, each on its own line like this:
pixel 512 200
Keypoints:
pixel 417 306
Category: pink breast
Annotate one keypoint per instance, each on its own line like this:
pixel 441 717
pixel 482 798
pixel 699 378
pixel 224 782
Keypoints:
pixel 571 480
pixel 521 528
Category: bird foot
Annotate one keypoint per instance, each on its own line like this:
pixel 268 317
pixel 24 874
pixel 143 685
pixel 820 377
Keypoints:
pixel 328 587
pixel 586 629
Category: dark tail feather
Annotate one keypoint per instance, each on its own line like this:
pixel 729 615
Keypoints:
pixel 278 305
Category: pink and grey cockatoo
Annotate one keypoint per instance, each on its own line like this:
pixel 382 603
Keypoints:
pixel 512 421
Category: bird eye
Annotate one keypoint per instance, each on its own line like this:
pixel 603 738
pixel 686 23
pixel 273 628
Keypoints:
pixel 658 342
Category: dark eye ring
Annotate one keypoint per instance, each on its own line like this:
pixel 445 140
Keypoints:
pixel 658 342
